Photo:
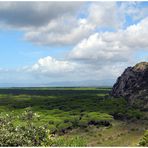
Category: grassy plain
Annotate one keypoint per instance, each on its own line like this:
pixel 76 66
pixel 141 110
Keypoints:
pixel 76 116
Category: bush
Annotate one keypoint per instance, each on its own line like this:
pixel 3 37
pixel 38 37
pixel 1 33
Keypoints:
pixel 64 126
pixel 144 140
pixel 53 129
pixel 134 113
pixel 95 118
pixel 28 114
pixel 83 122
pixel 99 116
pixel 75 121
pixel 32 135
pixel 70 142
pixel 29 135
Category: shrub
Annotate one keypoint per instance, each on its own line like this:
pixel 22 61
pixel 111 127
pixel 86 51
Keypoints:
pixel 70 142
pixel 57 121
pixel 29 135
pixel 28 114
pixel 64 126
pixel 134 113
pixel 53 129
pixel 83 122
pixel 144 140
pixel 75 121
pixel 99 116
pixel 95 118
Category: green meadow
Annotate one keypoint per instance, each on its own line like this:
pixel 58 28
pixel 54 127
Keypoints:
pixel 69 117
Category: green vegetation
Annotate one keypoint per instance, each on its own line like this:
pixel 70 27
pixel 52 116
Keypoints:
pixel 30 134
pixel 144 140
pixel 67 117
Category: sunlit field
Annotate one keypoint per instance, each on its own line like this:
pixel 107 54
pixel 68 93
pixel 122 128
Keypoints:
pixel 68 117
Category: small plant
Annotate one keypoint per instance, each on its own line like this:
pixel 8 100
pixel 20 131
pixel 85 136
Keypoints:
pixel 134 113
pixel 144 140
pixel 83 123
pixel 64 126
pixel 70 142
pixel 28 114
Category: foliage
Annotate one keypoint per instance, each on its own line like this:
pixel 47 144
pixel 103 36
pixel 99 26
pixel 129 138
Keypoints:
pixel 75 141
pixel 32 135
pixel 42 116
pixel 83 122
pixel 144 140
pixel 28 114
pixel 95 118
pixel 134 113
pixel 64 126
pixel 29 135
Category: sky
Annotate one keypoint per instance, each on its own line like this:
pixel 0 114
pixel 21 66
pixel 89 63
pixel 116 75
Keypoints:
pixel 70 43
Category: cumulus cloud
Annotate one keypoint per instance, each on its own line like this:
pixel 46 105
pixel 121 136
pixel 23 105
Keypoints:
pixel 62 23
pixel 33 14
pixel 135 36
pixel 112 46
pixel 105 14
pixel 102 41
pixel 51 67
pixel 63 31
pixel 96 49
pixel 69 30
pixel 133 10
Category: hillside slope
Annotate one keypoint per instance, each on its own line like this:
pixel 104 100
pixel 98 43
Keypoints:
pixel 133 85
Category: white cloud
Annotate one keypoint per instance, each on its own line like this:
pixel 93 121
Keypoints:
pixel 69 30
pixel 105 14
pixel 97 54
pixel 62 31
pixel 135 36
pixel 61 23
pixel 51 67
pixel 112 46
pixel 133 10
pixel 99 50
pixel 34 14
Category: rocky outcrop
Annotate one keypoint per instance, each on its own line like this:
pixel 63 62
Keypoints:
pixel 133 85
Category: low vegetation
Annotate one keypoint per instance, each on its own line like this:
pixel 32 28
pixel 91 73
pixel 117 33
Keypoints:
pixel 31 134
pixel 51 116
pixel 144 140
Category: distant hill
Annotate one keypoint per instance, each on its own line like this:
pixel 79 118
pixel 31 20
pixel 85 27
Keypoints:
pixel 85 83
pixel 133 85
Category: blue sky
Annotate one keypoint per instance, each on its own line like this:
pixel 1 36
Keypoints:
pixel 71 42
pixel 16 52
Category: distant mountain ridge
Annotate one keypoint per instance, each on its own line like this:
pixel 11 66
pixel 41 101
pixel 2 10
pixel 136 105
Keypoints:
pixel 85 83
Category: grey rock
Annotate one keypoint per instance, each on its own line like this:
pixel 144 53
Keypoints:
pixel 133 85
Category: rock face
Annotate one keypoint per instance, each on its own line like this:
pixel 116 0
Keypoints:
pixel 133 85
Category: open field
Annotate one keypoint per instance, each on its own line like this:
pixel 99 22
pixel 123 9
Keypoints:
pixel 75 116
